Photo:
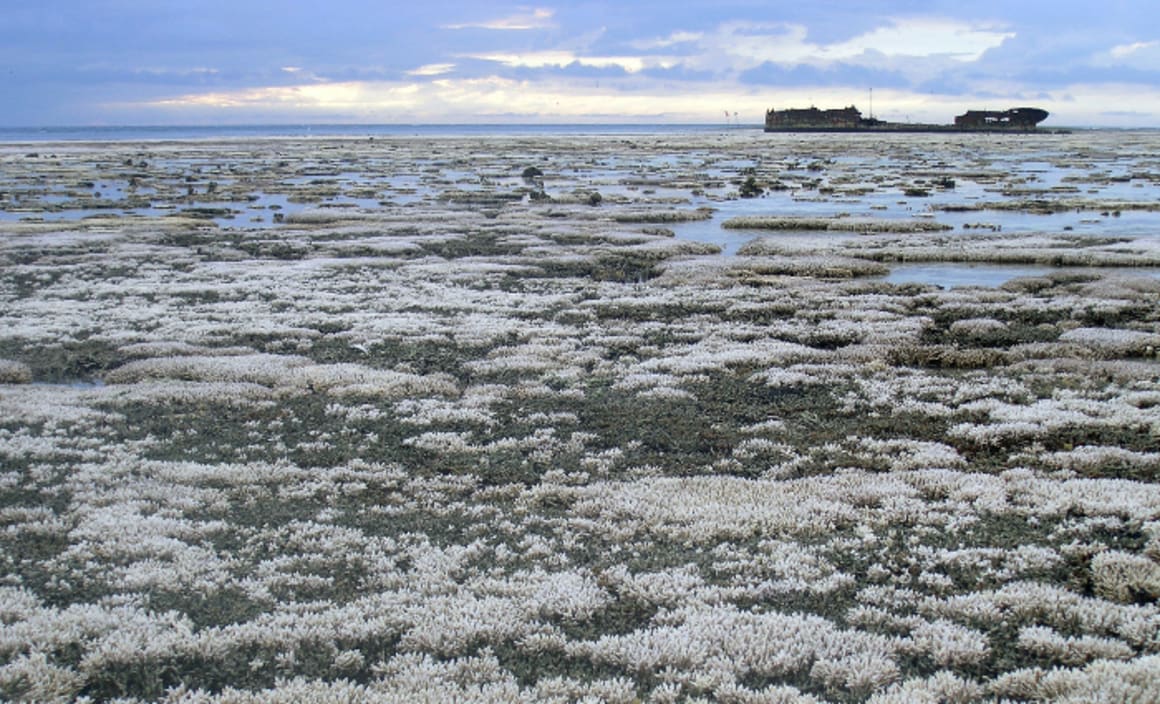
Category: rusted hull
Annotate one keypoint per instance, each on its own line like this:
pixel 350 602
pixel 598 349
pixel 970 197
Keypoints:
pixel 909 128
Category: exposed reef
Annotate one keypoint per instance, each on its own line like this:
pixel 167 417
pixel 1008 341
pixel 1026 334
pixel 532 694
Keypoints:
pixel 406 420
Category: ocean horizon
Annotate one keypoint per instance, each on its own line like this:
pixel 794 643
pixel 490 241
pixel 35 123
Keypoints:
pixel 122 133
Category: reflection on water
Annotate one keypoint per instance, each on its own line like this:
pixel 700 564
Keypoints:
pixel 72 383
pixel 956 274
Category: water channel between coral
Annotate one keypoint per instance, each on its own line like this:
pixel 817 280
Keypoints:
pixel 716 416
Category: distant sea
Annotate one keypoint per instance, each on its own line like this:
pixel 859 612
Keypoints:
pixel 169 132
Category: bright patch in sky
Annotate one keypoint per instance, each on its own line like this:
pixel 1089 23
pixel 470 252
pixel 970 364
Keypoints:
pixel 560 59
pixel 135 62
pixel 432 70
pixel 536 19
pixel 1125 50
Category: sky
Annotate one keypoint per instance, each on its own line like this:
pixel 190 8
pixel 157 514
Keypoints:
pixel 171 62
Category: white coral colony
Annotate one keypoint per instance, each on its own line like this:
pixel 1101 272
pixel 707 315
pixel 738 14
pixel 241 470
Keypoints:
pixel 485 441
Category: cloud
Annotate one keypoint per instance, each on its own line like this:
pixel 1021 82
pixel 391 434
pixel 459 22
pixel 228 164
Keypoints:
pixel 306 96
pixel 538 18
pixel 1137 55
pixel 654 57
pixel 898 53
pixel 197 71
pixel 674 39
pixel 745 45
pixel 1127 50
pixel 561 59
pixel 1105 103
pixel 1058 77
pixel 298 73
pixel 838 74
pixel 923 37
pixel 432 70
pixel 486 99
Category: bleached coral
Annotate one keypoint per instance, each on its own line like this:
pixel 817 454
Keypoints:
pixel 290 373
pixel 723 644
pixel 1049 605
pixel 1103 680
pixel 943 687
pixel 665 588
pixel 1114 342
pixel 1071 650
pixel 969 327
pixel 1064 411
pixel 1125 577
pixel 13 372
pixel 1091 459
pixel 33 678
pixel 903 455
pixel 948 643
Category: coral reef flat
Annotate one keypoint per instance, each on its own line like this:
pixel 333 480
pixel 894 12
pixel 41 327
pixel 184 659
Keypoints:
pixel 519 418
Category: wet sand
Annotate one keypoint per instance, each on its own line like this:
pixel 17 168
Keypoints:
pixel 520 418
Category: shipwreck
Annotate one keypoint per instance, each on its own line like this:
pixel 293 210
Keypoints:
pixel 850 119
